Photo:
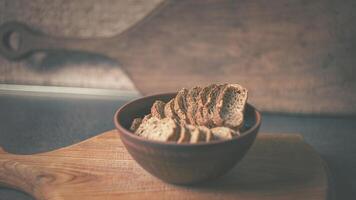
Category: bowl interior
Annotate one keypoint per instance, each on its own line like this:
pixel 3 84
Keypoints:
pixel 141 107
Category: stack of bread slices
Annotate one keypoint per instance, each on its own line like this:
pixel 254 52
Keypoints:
pixel 199 114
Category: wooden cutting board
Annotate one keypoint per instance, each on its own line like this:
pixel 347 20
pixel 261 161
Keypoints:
pixel 279 166
pixel 291 55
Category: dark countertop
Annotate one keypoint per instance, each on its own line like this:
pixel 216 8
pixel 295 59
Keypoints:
pixel 31 124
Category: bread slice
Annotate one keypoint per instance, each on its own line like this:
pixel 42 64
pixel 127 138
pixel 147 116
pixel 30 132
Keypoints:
pixel 157 109
pixel 209 107
pixel 148 120
pixel 169 110
pixel 222 133
pixel 135 124
pixel 202 99
pixel 147 117
pixel 206 134
pixel 230 106
pixel 235 133
pixel 192 103
pixel 203 95
pixel 180 105
pixel 159 129
pixel 194 133
pixel 184 135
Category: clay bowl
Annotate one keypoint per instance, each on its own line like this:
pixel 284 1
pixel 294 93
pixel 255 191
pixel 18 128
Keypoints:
pixel 183 163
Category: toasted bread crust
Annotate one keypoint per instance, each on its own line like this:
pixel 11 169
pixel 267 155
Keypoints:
pixel 230 106
pixel 180 105
pixel 157 109
pixel 202 99
pixel 169 111
pixel 147 117
pixel 192 103
pixel 135 124
pixel 210 105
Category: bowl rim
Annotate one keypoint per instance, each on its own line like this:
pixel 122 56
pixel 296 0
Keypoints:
pixel 130 134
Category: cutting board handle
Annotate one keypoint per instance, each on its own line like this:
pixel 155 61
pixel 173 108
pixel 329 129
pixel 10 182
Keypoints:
pixel 16 171
pixel 18 40
pixel 11 173
pixel 27 174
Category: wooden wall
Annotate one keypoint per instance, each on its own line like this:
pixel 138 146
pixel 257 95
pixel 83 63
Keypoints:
pixel 294 56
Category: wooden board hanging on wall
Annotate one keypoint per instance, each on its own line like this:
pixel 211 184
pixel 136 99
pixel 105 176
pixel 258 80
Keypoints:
pixel 294 56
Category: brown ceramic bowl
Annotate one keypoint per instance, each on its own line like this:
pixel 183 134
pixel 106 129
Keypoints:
pixel 183 163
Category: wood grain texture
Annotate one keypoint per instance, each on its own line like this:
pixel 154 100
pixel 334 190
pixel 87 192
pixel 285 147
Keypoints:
pixel 78 19
pixel 277 167
pixel 294 56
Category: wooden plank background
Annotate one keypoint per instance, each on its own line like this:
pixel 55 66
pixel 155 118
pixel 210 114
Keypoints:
pixel 294 56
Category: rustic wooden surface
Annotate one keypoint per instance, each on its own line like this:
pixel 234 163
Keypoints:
pixel 277 167
pixel 295 56
pixel 78 19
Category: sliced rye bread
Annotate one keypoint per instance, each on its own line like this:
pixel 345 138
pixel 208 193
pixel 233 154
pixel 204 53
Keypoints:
pixel 192 103
pixel 180 105
pixel 209 107
pixel 222 133
pixel 169 110
pixel 147 120
pixel 205 132
pixel 159 129
pixel 194 133
pixel 184 136
pixel 230 106
pixel 135 124
pixel 157 109
pixel 202 99
pixel 147 117
pixel 198 133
